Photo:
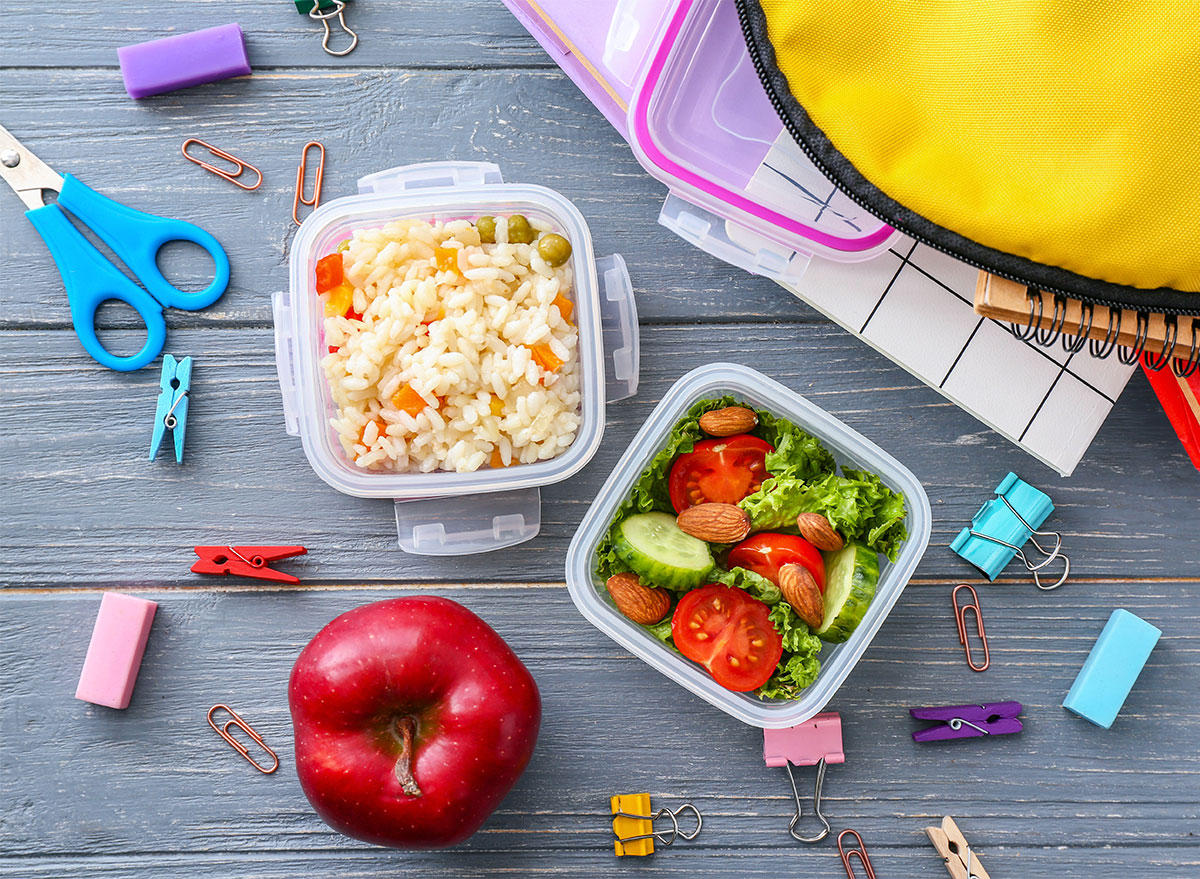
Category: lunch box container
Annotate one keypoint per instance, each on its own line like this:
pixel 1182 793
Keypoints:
pixel 446 513
pixel 847 446
pixel 676 79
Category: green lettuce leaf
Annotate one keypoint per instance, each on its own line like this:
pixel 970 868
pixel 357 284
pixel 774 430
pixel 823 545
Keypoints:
pixel 755 584
pixel 662 631
pixel 799 665
pixel 797 455
pixel 858 505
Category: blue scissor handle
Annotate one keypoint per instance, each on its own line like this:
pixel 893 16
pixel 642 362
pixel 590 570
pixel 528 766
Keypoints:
pixel 91 279
pixel 136 237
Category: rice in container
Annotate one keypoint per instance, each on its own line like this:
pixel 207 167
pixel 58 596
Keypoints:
pixel 847 446
pixel 447 513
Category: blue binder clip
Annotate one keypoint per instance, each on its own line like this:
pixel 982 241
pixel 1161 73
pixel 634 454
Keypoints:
pixel 171 413
pixel 1004 525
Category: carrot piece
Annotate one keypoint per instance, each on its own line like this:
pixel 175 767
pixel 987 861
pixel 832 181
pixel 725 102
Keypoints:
pixel 329 272
pixel 545 357
pixel 446 258
pixel 340 301
pixel 565 306
pixel 380 424
pixel 408 400
pixel 497 460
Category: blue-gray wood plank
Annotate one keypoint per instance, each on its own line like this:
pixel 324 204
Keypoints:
pixel 88 791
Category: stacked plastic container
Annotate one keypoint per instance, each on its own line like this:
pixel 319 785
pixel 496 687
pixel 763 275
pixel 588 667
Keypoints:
pixel 444 513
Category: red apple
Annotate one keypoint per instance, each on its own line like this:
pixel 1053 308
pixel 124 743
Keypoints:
pixel 413 719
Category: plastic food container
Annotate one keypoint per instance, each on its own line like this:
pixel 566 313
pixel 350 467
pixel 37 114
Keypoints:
pixel 445 513
pixel 848 447
pixel 676 79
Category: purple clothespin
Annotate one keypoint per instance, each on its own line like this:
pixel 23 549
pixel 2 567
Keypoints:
pixel 968 721
pixel 816 742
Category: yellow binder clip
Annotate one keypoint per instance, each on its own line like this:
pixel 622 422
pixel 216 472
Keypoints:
pixel 633 824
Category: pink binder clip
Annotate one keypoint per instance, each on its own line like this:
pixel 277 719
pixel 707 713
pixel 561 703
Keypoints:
pixel 816 742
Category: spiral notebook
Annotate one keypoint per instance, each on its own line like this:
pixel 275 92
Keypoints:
pixel 1049 319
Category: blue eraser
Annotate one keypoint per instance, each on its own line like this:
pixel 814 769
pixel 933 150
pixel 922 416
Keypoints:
pixel 1112 668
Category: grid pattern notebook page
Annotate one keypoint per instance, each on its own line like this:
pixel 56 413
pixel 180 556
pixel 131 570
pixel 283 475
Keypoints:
pixel 914 304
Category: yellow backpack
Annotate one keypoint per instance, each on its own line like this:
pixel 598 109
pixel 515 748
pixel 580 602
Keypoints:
pixel 1054 142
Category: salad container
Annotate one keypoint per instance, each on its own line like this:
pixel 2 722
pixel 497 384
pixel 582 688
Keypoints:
pixel 848 448
pixel 446 513
pixel 676 79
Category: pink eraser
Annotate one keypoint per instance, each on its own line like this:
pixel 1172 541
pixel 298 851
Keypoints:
pixel 115 653
pixel 183 60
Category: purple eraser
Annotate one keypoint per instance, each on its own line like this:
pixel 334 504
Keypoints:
pixel 185 60
pixel 115 652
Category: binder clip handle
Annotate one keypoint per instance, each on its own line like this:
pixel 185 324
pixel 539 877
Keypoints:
pixel 816 805
pixel 666 837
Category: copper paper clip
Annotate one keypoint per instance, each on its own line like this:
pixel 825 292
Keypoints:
pixel 860 853
pixel 240 167
pixel 236 720
pixel 317 180
pixel 960 619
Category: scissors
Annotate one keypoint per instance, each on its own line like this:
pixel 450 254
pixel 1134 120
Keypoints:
pixel 88 276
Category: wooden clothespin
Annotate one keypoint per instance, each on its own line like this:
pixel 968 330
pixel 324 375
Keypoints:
pixel 950 843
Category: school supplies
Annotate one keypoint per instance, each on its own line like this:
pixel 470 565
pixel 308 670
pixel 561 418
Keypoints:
pixel 183 60
pixel 961 861
pixel 967 721
pixel 1004 524
pixel 246 561
pixel 676 80
pixel 1112 668
pixel 233 175
pixel 114 654
pixel 315 199
pixel 860 852
pixel 236 720
pixel 323 11
pixel 171 411
pixel 1179 395
pixel 89 278
pixel 816 742
pixel 960 621
pixel 1046 318
pixel 633 824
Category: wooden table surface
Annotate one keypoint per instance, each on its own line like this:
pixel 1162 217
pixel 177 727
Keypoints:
pixel 137 793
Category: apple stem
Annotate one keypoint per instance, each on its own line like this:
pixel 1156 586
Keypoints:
pixel 407 727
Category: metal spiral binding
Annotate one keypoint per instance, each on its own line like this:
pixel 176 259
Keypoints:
pixel 1055 330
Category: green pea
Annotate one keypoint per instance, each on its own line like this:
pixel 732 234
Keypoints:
pixel 487 229
pixel 555 249
pixel 519 230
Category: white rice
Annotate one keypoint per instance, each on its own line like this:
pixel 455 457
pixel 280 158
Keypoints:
pixel 468 364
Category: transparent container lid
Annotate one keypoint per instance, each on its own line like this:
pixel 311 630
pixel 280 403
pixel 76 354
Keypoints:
pixel 699 120
pixel 848 447
pixel 445 513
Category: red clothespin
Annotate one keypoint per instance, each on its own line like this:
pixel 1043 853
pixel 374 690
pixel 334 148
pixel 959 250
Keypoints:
pixel 246 561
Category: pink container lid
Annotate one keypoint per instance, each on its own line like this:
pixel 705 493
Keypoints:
pixel 676 79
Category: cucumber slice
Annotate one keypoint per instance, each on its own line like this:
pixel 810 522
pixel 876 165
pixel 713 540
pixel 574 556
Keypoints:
pixel 851 575
pixel 662 555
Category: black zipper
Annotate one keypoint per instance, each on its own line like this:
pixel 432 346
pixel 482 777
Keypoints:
pixel 794 131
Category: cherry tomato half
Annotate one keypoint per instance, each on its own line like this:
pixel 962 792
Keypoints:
pixel 730 634
pixel 329 272
pixel 767 552
pixel 720 471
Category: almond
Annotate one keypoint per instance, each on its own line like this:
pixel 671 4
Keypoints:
pixel 801 591
pixel 728 421
pixel 816 529
pixel 716 523
pixel 640 603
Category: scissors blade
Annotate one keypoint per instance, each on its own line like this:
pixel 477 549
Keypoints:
pixel 24 172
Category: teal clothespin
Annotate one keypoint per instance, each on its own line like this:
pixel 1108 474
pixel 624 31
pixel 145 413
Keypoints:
pixel 1004 525
pixel 171 412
